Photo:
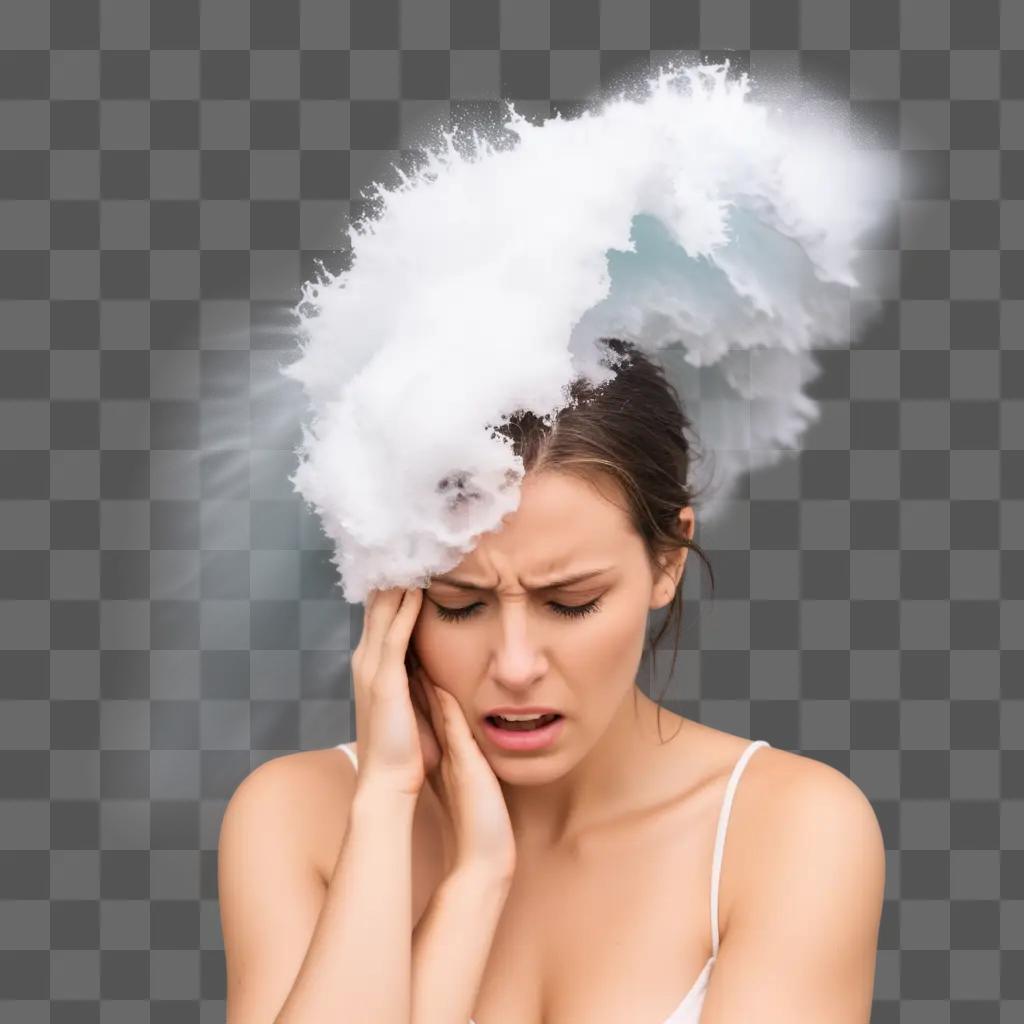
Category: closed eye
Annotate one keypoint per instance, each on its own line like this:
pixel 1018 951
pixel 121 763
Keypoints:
pixel 572 611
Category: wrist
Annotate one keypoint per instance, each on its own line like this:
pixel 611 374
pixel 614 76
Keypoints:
pixel 373 797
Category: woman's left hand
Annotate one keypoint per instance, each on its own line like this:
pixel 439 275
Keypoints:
pixel 478 823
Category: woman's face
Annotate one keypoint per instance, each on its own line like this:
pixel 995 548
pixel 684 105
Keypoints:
pixel 519 637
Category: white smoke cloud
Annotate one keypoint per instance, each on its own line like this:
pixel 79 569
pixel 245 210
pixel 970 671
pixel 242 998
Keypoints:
pixel 714 232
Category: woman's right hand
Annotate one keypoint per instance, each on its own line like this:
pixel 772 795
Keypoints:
pixel 394 736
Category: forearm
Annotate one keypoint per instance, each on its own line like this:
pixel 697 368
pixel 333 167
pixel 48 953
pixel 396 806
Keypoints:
pixel 358 965
pixel 451 944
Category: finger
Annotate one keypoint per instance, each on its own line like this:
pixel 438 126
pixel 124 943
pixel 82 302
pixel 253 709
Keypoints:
pixel 431 746
pixel 450 709
pixel 395 646
pixel 377 620
pixel 374 599
pixel 418 696
pixel 436 711
pixel 359 649
pixel 391 677
pixel 411 661
pixel 456 728
pixel 371 599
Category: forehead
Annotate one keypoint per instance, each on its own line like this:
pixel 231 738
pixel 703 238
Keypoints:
pixel 561 518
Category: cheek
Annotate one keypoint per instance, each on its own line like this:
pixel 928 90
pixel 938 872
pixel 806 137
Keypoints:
pixel 610 639
pixel 438 651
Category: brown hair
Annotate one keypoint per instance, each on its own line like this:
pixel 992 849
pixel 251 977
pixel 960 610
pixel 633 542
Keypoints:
pixel 632 430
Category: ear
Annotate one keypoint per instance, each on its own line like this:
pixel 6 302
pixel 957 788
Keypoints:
pixel 667 582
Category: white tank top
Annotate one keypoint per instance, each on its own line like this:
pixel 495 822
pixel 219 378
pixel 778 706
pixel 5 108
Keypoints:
pixel 688 1011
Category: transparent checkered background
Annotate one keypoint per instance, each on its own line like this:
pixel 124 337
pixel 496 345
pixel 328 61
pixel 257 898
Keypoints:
pixel 170 173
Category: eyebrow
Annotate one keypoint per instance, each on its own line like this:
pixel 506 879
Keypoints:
pixel 549 585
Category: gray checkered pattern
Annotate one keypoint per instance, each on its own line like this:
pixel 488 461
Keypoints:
pixel 170 173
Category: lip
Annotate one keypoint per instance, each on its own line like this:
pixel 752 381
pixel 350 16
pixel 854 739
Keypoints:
pixel 537 739
pixel 534 710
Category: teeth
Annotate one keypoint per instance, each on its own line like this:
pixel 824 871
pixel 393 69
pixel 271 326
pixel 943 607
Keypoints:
pixel 519 718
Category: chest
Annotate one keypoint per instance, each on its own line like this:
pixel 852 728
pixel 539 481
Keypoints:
pixel 618 931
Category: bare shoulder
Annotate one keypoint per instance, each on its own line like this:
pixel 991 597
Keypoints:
pixel 306 794
pixel 806 858
pixel 791 788
pixel 274 832
pixel 783 793
pixel 791 809
pixel 311 778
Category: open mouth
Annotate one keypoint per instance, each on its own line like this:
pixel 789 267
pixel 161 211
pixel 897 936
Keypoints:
pixel 522 726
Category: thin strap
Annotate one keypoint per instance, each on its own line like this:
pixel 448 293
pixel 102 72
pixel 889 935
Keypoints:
pixel 351 754
pixel 723 824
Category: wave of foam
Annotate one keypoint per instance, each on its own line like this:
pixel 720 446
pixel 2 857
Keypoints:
pixel 713 231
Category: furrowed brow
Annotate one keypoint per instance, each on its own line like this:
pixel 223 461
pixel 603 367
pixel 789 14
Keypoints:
pixel 547 585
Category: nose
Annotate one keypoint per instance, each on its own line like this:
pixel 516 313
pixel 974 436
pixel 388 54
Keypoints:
pixel 518 661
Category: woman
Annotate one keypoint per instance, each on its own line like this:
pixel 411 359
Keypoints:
pixel 588 878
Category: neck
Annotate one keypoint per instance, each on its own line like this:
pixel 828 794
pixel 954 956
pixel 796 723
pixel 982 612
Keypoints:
pixel 614 776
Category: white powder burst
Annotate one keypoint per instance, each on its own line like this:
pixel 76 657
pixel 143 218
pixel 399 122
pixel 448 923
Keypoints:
pixel 699 224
